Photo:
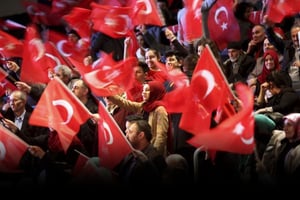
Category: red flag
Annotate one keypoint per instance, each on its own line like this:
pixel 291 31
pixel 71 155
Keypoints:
pixel 12 149
pixel 10 46
pixel 192 24
pixel 113 146
pixel 207 92
pixel 66 48
pixel 81 161
pixel 48 14
pixel 60 109
pixel 39 13
pixel 79 20
pixel 113 21
pixel 235 134
pixel 6 85
pixel 36 61
pixel 176 77
pixel 111 80
pixel 278 9
pixel 147 12
pixel 104 59
pixel 40 58
pixel 223 26
pixel 209 82
pixel 119 3
pixel 255 17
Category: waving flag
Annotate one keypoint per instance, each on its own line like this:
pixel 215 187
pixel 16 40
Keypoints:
pixel 113 146
pixel 79 20
pixel 209 82
pixel 35 62
pixel 278 9
pixel 147 12
pixel 207 92
pixel 111 80
pixel 4 83
pixel 113 21
pixel 10 46
pixel 40 57
pixel 223 26
pixel 235 134
pixel 192 23
pixel 68 49
pixel 60 109
pixel 12 149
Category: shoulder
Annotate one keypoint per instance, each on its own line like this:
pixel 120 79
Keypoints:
pixel 161 110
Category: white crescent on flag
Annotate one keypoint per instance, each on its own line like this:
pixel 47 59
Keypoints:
pixel 107 134
pixel 68 108
pixel 148 9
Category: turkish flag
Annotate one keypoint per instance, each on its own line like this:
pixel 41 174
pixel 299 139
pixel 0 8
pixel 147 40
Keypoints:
pixel 59 109
pixel 207 92
pixel 209 82
pixel 113 146
pixel 12 149
pixel 256 17
pixel 103 60
pixel 177 78
pixel 10 46
pixel 119 3
pixel 35 61
pixel 111 79
pixel 6 85
pixel 278 9
pixel 222 24
pixel 40 58
pixel 235 134
pixel 39 13
pixel 193 20
pixel 113 21
pixel 66 48
pixel 147 12
pixel 79 20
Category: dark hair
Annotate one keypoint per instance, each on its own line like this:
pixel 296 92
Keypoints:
pixel 240 10
pixel 142 124
pixel 144 66
pixel 74 32
pixel 280 79
pixel 134 117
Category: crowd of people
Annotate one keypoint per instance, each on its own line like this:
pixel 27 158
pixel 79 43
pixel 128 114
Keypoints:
pixel 265 60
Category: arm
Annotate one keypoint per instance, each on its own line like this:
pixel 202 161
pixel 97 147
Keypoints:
pixel 206 6
pixel 128 105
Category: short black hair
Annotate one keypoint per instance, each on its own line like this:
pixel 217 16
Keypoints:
pixel 142 124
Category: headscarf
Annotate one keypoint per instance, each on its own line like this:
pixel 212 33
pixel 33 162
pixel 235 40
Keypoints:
pixel 262 77
pixel 295 119
pixel 157 92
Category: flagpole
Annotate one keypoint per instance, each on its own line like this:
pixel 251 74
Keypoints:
pixel 220 70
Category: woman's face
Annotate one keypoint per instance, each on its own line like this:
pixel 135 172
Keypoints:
pixel 268 45
pixel 146 92
pixel 200 50
pixel 289 129
pixel 151 58
pixel 269 62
